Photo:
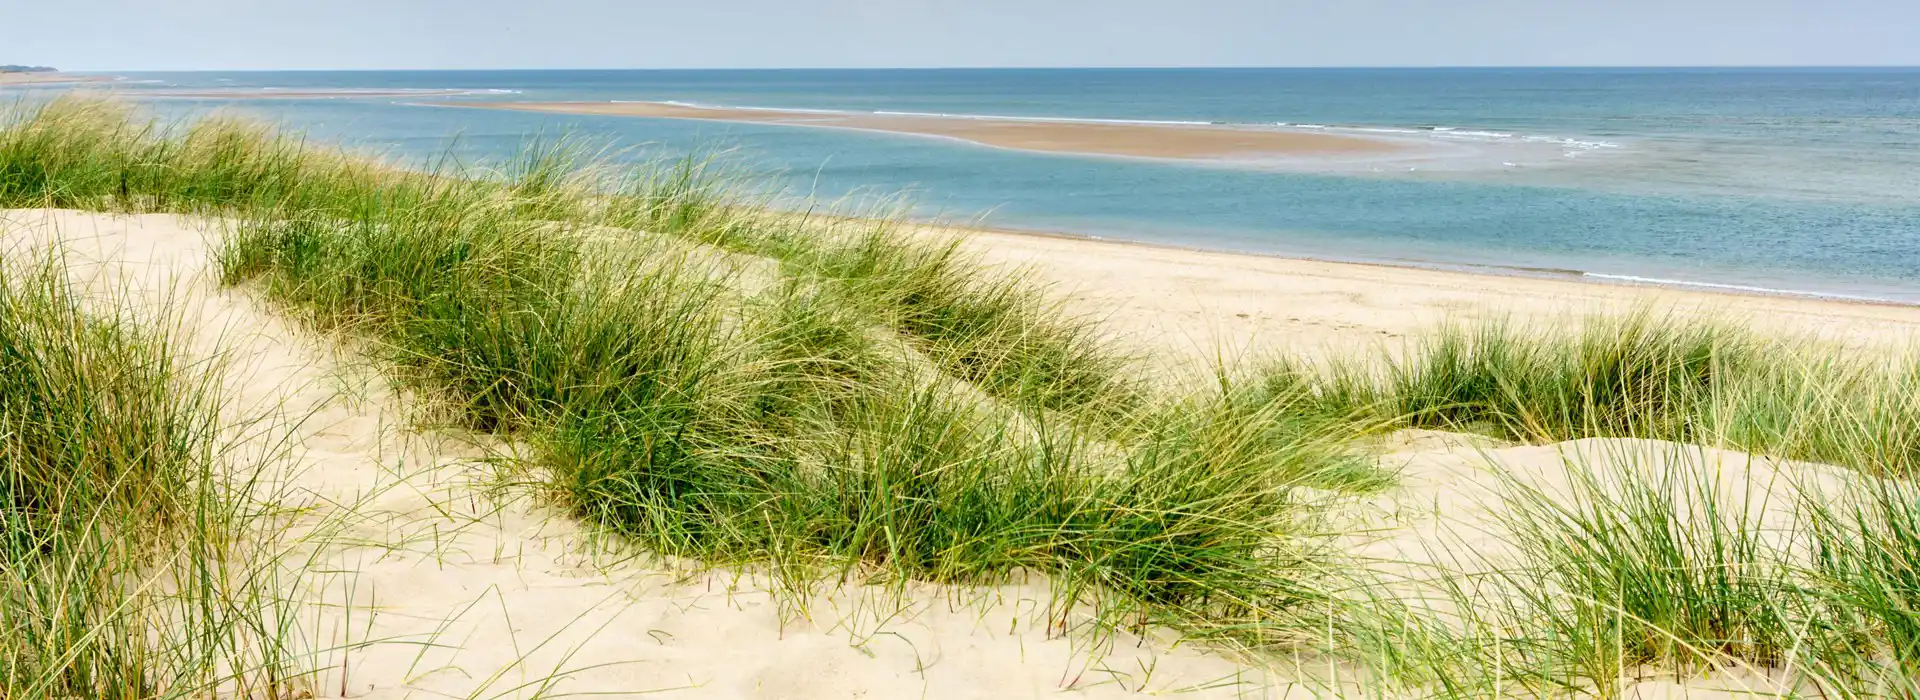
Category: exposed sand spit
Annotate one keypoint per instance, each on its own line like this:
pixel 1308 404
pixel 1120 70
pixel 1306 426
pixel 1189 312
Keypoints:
pixel 1140 140
pixel 54 78
pixel 418 582
pixel 296 94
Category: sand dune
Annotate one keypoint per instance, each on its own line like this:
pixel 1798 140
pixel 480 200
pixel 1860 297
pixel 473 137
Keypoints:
pixel 422 580
pixel 1176 141
pixel 419 582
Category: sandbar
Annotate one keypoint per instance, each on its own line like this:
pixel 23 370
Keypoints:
pixel 11 78
pixel 295 94
pixel 1088 137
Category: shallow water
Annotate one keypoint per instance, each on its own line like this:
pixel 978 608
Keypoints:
pixel 1799 180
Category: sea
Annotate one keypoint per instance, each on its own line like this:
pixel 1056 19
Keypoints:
pixel 1777 181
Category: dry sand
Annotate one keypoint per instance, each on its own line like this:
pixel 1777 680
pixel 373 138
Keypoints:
pixel 1176 141
pixel 423 581
pixel 1201 305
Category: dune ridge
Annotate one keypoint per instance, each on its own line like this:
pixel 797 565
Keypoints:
pixel 435 582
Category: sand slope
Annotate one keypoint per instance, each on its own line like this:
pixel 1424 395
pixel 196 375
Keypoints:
pixel 419 578
pixel 419 583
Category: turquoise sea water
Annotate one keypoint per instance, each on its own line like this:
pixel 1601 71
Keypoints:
pixel 1802 180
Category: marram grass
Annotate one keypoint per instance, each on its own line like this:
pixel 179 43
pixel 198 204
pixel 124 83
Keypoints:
pixel 121 573
pixel 798 427
pixel 873 402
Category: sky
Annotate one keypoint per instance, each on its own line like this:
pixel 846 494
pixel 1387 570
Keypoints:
pixel 491 34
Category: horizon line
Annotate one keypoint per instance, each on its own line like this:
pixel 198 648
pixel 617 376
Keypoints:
pixel 1727 66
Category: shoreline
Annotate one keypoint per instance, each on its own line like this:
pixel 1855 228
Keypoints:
pixel 794 117
pixel 1116 138
pixel 1470 271
pixel 1496 270
pixel 1200 305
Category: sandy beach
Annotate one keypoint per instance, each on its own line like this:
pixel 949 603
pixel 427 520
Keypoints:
pixel 1205 305
pixel 1139 140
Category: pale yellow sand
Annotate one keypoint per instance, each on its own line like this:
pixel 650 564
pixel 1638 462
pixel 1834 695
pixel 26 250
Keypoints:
pixel 1203 305
pixel 455 594
pixel 1136 140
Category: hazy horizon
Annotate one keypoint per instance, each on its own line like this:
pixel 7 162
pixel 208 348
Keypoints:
pixel 127 35
pixel 534 69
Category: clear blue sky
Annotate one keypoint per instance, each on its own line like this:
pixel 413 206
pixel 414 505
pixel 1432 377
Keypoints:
pixel 345 34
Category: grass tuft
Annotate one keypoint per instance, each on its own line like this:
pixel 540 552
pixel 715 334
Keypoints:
pixel 831 397
pixel 119 573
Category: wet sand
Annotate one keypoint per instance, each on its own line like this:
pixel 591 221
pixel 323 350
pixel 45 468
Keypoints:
pixel 50 79
pixel 272 94
pixel 1139 140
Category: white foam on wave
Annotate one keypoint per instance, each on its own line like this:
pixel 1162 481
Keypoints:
pixel 1457 134
pixel 1380 130
pixel 1635 279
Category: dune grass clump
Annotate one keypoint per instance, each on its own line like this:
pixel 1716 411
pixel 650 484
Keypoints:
pixel 785 428
pixel 1866 562
pixel 1640 570
pixel 693 197
pixel 91 153
pixel 117 569
pixel 868 410
pixel 997 332
pixel 1654 564
pixel 1813 403
pixel 994 330
pixel 1639 376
